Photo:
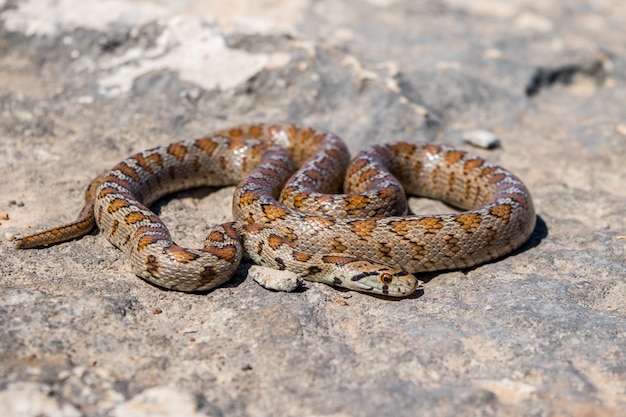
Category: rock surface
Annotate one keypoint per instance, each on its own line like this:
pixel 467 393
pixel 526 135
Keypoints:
pixel 84 83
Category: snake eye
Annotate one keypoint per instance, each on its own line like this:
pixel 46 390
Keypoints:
pixel 386 278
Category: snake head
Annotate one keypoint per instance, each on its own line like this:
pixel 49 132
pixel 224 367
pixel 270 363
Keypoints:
pixel 365 276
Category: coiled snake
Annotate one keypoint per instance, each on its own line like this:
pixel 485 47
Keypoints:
pixel 362 240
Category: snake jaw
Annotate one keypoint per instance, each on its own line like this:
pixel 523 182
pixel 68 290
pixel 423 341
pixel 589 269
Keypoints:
pixel 380 279
pixel 363 287
pixel 400 286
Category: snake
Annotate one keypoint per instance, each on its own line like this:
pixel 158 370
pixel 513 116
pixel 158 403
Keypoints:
pixel 301 205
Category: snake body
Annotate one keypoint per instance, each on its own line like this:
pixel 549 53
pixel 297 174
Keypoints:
pixel 288 217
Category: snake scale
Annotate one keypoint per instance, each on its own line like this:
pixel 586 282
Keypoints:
pixel 288 214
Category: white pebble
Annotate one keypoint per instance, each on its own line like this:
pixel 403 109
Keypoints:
pixel 272 279
pixel 482 139
pixel 159 401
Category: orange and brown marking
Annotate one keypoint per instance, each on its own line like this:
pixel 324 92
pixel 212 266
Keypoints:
pixel 364 229
pixel 418 168
pixel 356 202
pixel 208 274
pixel 305 134
pixel 432 149
pixel 502 211
pixel 389 193
pixel 338 259
pixel 301 256
pixel 291 131
pixel 116 205
pixel 275 241
pixel 120 182
pixel 333 154
pixel 368 175
pixel 436 173
pixel 319 137
pixel 358 165
pixel 255 131
pixel 155 159
pixel 468 190
pixel 172 172
pixel 196 165
pixel 226 253
pixel 178 254
pixel 114 226
pixel 452 243
pixel 385 249
pixel 403 148
pixel 216 236
pixel 337 245
pixel 518 198
pixel 237 143
pixel 152 265
pixel 147 240
pixel 451 183
pixel 143 163
pixel 323 200
pixel 419 251
pixel 320 222
pixel 490 237
pixel 98 214
pixel 452 157
pixel 259 247
pixel 400 227
pixel 315 174
pixel 235 133
pixel 485 172
pixel 289 235
pixel 254 227
pixel 231 230
pixel 472 164
pixel 128 171
pixel 273 212
pixel 431 225
pixel 496 178
pixel 247 198
pixel 222 162
pixel 135 217
pixel 208 146
pixel 319 167
pixel 312 270
pixel 469 222
pixel 177 150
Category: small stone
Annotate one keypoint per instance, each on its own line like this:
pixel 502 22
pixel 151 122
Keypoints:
pixel 273 279
pixel 33 399
pixel 159 401
pixel 188 330
pixel 4 216
pixel 481 139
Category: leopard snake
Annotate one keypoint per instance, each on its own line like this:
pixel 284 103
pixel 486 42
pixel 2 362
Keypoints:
pixel 288 215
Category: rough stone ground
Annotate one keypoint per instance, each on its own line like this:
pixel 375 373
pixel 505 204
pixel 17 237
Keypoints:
pixel 84 83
